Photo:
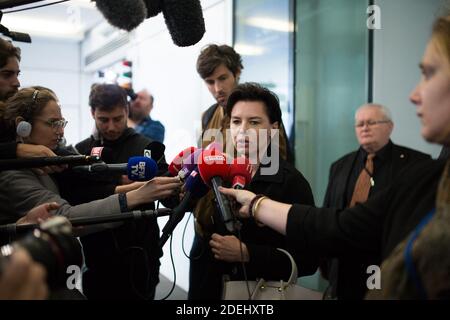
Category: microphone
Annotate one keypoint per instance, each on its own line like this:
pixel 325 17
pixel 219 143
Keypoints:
pixel 137 168
pixel 154 7
pixel 195 188
pixel 184 19
pixel 37 162
pixel 177 162
pixel 155 150
pixel 189 164
pixel 213 170
pixel 123 14
pixel 13 229
pixel 104 153
pixel 240 172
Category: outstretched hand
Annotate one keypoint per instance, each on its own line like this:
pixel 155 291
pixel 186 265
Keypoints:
pixel 243 197
pixel 39 214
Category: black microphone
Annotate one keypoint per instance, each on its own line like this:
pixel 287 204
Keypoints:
pixel 123 14
pixel 176 216
pixel 13 229
pixel 184 19
pixel 154 7
pixel 137 168
pixel 37 162
pixel 155 150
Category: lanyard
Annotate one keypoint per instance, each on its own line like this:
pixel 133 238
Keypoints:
pixel 409 262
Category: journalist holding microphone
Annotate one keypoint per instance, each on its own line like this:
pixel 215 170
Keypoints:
pixel 407 225
pixel 35 116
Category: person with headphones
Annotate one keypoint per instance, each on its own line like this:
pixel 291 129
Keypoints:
pixel 34 114
pixel 9 85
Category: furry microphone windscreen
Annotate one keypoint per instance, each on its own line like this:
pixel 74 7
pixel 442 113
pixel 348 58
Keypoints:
pixel 184 19
pixel 154 7
pixel 123 14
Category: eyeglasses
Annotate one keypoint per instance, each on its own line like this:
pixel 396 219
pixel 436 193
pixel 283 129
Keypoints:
pixel 370 123
pixel 55 124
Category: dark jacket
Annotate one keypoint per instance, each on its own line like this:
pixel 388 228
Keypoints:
pixel 287 185
pixel 123 263
pixel 8 150
pixel 347 274
pixel 374 227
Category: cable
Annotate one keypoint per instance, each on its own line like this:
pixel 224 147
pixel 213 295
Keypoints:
pixel 174 271
pixel 182 242
pixel 35 7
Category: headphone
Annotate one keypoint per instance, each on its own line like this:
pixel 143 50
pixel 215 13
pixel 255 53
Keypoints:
pixel 24 127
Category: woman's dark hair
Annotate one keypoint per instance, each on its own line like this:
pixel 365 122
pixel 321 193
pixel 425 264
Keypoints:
pixel 107 97
pixel 254 92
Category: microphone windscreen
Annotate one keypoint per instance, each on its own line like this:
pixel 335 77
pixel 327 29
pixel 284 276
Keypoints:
pixel 177 162
pixel 154 7
pixel 212 163
pixel 123 14
pixel 141 169
pixel 241 167
pixel 155 150
pixel 194 184
pixel 104 153
pixel 184 19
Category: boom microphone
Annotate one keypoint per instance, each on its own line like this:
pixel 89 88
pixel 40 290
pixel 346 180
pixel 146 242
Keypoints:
pixel 137 168
pixel 37 162
pixel 123 14
pixel 154 7
pixel 184 19
pixel 214 170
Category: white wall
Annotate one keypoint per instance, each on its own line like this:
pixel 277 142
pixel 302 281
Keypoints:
pixel 398 49
pixel 169 73
pixel 55 64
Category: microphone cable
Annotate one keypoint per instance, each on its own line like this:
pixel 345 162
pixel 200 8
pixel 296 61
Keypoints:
pixel 182 242
pixel 173 265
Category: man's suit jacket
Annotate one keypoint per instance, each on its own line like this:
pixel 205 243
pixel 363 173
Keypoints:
pixel 348 275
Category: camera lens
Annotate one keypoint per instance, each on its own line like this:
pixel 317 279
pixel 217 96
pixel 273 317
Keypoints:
pixel 52 245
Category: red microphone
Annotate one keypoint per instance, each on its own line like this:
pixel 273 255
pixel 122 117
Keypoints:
pixel 213 163
pixel 240 172
pixel 213 168
pixel 177 162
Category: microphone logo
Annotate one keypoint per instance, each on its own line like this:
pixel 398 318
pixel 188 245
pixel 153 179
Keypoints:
pixel 138 170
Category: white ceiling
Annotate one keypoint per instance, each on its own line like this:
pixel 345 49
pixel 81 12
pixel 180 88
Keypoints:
pixel 68 20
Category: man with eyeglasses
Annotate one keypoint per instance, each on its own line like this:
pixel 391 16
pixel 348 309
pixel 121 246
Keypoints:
pixel 356 177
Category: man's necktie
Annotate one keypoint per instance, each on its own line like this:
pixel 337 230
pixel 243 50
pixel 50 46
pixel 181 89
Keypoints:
pixel 362 186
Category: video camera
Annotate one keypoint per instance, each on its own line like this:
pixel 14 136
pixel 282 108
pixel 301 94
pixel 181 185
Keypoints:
pixel 51 244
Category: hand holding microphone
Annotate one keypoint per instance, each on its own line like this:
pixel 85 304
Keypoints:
pixel 30 150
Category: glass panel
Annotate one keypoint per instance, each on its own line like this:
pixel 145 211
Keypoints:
pixel 264 37
pixel 331 83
